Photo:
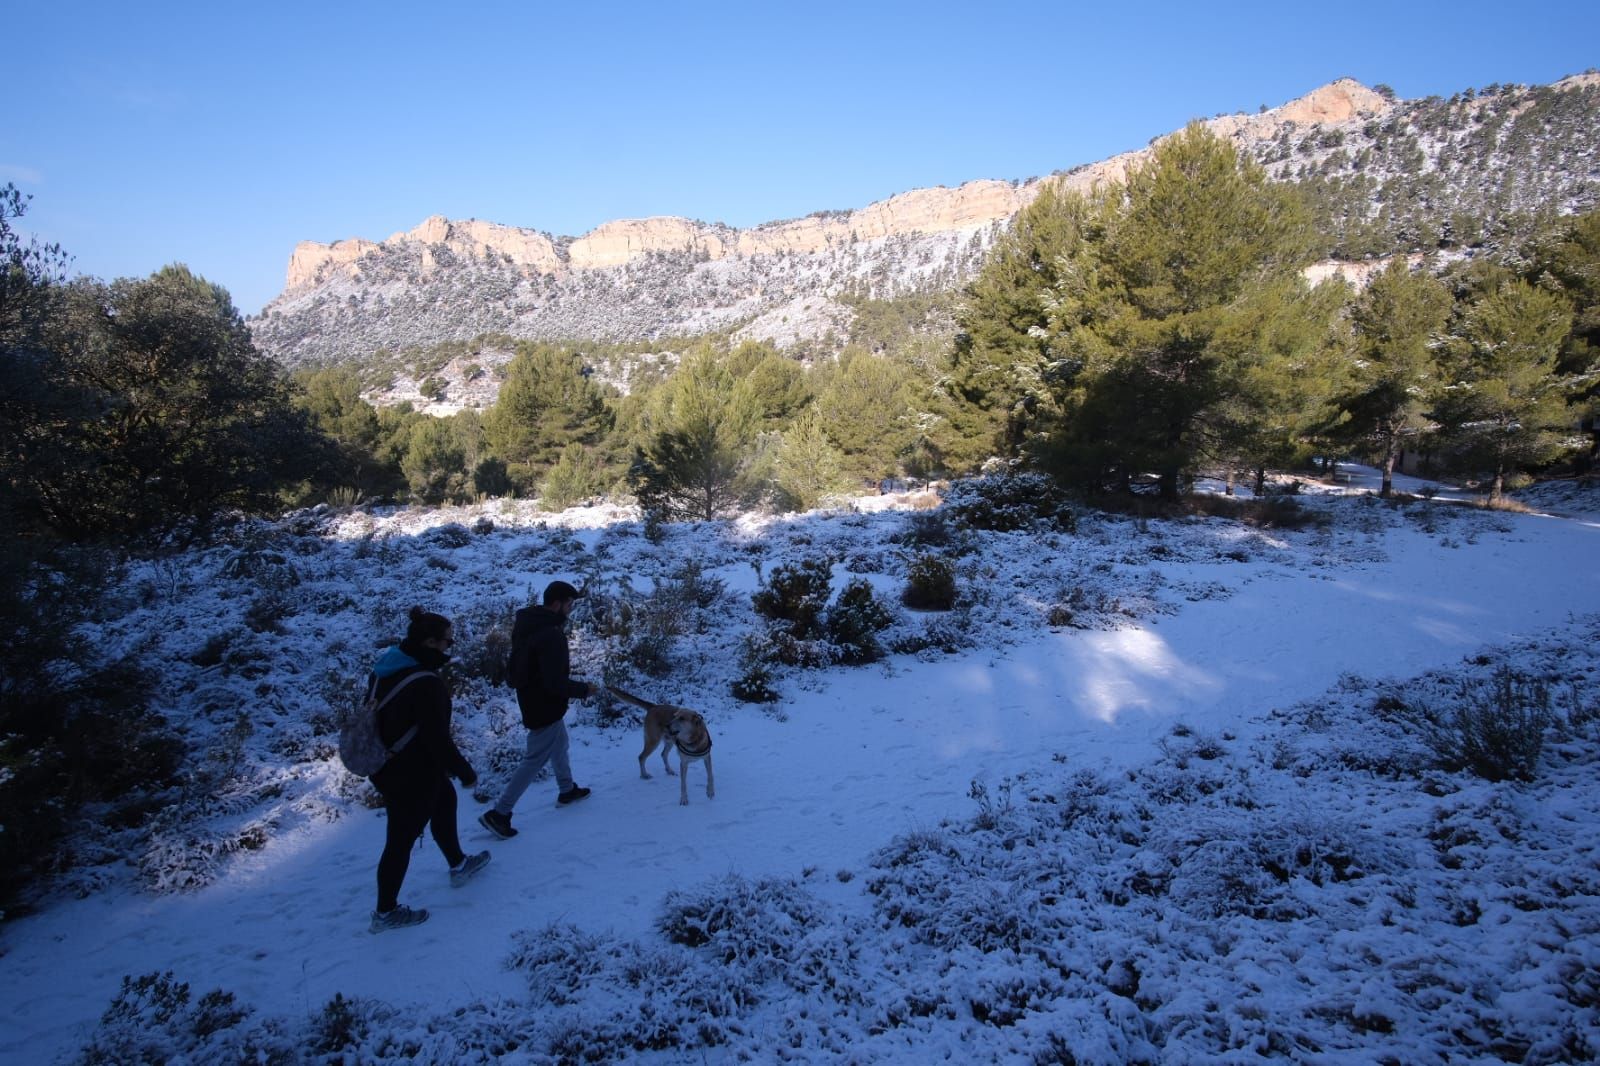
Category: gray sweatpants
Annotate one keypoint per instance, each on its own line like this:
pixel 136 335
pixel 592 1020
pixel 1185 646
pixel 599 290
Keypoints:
pixel 544 745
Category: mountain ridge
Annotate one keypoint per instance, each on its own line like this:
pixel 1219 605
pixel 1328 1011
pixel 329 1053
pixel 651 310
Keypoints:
pixel 927 209
pixel 1392 176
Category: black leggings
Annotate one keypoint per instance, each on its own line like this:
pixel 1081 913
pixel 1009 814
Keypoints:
pixel 414 804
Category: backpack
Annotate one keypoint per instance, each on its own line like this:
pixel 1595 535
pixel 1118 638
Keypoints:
pixel 361 747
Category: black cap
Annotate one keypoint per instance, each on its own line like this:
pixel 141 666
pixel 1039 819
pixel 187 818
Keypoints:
pixel 557 591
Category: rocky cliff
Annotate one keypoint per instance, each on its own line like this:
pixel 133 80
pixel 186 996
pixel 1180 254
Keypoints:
pixel 1388 177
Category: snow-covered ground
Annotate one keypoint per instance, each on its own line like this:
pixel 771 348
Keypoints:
pixel 1155 791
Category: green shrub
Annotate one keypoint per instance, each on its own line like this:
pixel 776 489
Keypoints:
pixel 930 529
pixel 1496 730
pixel 491 477
pixel 74 729
pixel 578 475
pixel 797 594
pixel 1009 501
pixel 755 684
pixel 930 584
pixel 854 621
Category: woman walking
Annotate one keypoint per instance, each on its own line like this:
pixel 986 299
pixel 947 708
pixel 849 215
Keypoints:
pixel 414 724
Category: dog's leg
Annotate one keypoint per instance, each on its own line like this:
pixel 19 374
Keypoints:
pixel 665 765
pixel 650 743
pixel 683 781
pixel 711 781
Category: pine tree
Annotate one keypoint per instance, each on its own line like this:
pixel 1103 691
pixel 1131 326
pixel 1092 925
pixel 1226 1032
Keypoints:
pixel 778 385
pixel 807 468
pixel 1399 322
pixel 1148 339
pixel 694 461
pixel 436 462
pixel 333 399
pixel 1289 354
pixel 1569 261
pixel 1507 403
pixel 864 407
pixel 580 473
pixel 546 403
pixel 1000 351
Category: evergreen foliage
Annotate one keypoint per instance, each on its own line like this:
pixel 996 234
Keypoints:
pixel 439 454
pixel 930 584
pixel 854 622
pixel 1009 500
pixel 1506 407
pixel 1568 261
pixel 1000 348
pixel 1158 311
pixel 796 595
pixel 1399 325
pixel 807 468
pixel 333 399
pixel 76 729
pixel 578 475
pixel 779 386
pixel 159 410
pixel 864 406
pixel 695 460
pixel 546 402
pixel 1290 353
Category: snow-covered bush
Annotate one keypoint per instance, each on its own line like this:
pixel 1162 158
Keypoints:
pixel 796 594
pixel 755 683
pixel 854 622
pixel 154 1018
pixel 483 641
pixel 1008 501
pixel 752 924
pixel 930 584
pixel 1496 729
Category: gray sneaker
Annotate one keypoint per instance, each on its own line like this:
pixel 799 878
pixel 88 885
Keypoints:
pixel 398 918
pixel 460 875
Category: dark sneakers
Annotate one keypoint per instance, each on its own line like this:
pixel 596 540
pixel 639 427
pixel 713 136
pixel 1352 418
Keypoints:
pixel 398 918
pixel 572 795
pixel 497 823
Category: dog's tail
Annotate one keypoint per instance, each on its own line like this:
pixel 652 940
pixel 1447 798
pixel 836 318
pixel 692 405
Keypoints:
pixel 628 697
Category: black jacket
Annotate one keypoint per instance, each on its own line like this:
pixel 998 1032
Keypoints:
pixel 540 667
pixel 426 704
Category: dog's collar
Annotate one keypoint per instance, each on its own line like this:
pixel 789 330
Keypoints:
pixel 684 749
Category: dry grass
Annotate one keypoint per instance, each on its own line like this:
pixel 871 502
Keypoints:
pixel 1503 503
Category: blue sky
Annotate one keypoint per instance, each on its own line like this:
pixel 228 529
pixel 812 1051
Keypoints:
pixel 219 135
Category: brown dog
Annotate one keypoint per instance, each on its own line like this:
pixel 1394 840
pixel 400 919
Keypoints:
pixel 684 730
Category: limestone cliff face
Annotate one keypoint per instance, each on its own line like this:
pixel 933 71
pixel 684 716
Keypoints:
pixel 1386 176
pixel 921 211
pixel 614 244
pixel 536 252
pixel 1336 103
pixel 617 243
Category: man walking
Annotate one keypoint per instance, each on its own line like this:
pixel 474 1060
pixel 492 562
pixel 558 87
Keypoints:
pixel 539 671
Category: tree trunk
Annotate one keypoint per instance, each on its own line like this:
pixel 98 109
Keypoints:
pixel 1167 485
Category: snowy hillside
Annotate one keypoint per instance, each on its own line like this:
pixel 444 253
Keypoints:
pixel 1151 791
pixel 1475 172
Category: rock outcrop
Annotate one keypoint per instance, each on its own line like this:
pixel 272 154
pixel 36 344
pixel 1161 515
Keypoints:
pixel 1388 176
